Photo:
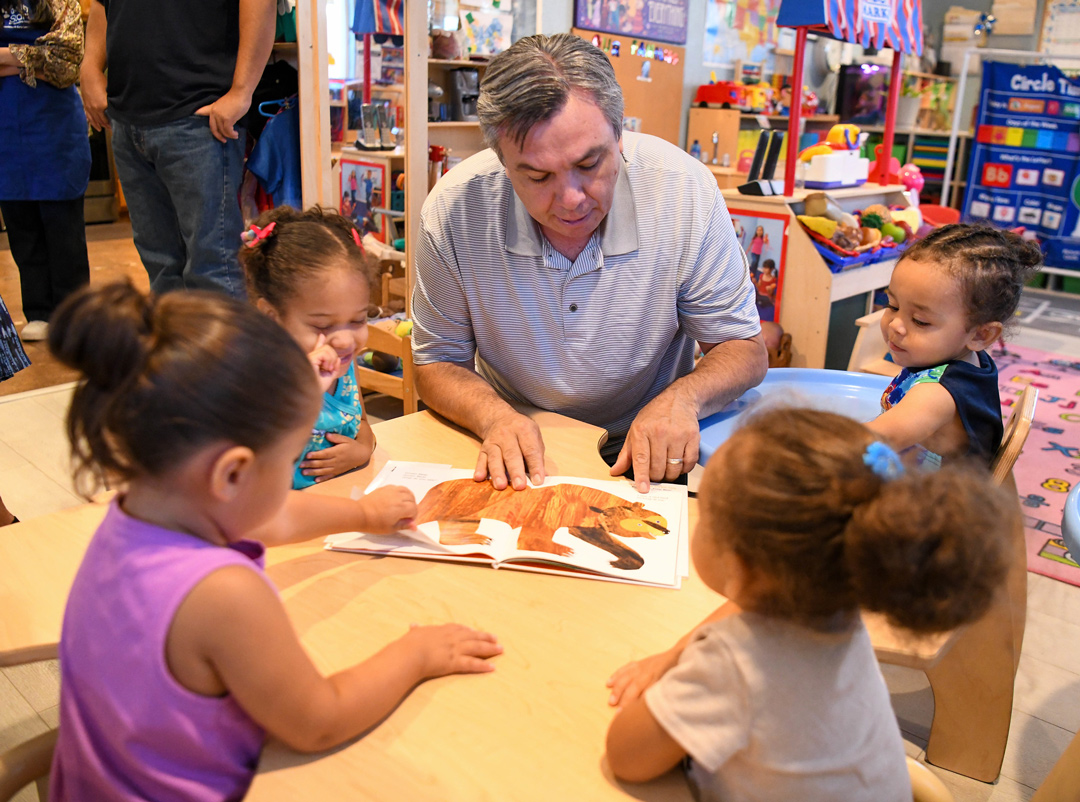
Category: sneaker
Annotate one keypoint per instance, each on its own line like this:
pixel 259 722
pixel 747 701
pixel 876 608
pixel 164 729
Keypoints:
pixel 34 331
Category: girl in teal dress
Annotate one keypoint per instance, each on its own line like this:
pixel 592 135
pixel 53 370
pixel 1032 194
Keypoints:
pixel 308 271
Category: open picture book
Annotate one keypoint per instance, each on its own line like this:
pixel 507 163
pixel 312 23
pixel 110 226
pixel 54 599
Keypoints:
pixel 570 526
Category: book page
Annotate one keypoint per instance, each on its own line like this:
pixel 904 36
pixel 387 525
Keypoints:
pixel 608 528
pixel 572 524
pixel 424 541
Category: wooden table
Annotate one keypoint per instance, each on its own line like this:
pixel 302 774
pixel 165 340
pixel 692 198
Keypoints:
pixel 532 729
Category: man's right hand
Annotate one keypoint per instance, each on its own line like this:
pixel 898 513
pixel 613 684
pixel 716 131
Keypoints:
pixel 94 97
pixel 512 451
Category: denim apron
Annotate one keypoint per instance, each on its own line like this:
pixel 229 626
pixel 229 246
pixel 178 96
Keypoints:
pixel 44 142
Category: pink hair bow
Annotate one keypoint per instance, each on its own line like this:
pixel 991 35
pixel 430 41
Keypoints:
pixel 356 239
pixel 254 235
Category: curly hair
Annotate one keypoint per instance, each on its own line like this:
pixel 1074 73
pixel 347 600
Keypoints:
pixel 991 264
pixel 791 496
pixel 299 247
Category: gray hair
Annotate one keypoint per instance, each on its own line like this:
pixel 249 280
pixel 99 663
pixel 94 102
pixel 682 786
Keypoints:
pixel 531 81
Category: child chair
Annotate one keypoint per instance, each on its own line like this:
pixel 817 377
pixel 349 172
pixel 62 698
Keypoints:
pixel 29 762
pixel 1062 784
pixel 972 670
pixel 381 337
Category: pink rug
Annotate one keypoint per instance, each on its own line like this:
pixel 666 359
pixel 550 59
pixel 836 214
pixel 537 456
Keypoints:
pixel 1050 462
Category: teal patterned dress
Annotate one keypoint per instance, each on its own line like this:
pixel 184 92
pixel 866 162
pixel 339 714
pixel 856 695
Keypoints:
pixel 341 414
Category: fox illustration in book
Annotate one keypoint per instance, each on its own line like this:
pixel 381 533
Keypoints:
pixel 592 515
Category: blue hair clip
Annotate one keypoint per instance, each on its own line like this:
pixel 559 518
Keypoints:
pixel 883 461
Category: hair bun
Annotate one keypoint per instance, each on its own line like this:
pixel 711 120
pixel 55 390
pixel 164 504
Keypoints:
pixel 104 333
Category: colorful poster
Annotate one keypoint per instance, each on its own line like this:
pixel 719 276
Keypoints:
pixel 361 193
pixel 663 20
pixel 763 236
pixel 1025 157
pixel 740 30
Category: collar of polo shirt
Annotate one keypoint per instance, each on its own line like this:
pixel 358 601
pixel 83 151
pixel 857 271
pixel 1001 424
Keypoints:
pixel 618 230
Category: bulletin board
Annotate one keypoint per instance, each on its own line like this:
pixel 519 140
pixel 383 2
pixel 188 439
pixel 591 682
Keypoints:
pixel 651 76
pixel 1060 31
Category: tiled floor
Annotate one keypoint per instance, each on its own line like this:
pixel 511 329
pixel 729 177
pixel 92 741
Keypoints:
pixel 34 480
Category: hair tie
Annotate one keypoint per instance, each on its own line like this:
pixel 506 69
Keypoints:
pixel 356 239
pixel 254 235
pixel 883 461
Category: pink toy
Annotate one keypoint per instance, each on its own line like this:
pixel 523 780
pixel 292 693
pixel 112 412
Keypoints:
pixel 912 179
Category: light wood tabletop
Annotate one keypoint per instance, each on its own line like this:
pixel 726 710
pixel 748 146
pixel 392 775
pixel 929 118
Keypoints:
pixel 532 729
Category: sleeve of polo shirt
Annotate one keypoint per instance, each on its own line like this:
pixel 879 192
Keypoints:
pixel 702 703
pixel 442 325
pixel 717 301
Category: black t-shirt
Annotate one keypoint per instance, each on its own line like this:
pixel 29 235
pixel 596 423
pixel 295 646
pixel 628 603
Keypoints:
pixel 167 58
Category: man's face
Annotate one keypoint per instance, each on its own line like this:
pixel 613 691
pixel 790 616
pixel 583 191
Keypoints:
pixel 565 173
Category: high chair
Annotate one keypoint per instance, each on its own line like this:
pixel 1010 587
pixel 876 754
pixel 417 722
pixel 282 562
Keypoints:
pixel 868 352
pixel 403 386
pixel 972 669
pixel 29 762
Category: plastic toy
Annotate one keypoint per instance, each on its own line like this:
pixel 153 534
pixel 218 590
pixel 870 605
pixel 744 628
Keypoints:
pixel 836 162
pixel 912 179
pixel 403 328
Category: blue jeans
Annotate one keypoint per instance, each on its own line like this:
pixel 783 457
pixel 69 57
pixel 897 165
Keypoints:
pixel 181 187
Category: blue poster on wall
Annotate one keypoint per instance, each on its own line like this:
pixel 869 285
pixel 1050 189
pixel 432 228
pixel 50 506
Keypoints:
pixel 662 20
pixel 1025 155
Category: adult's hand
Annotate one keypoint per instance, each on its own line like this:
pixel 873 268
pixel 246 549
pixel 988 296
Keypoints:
pixel 224 112
pixel 512 450
pixel 94 97
pixel 662 442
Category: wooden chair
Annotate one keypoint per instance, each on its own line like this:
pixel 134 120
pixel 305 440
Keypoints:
pixel 27 763
pixel 868 353
pixel 382 338
pixel 1062 784
pixel 1016 432
pixel 972 670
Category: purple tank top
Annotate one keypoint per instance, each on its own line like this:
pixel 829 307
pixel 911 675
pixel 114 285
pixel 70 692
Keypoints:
pixel 128 729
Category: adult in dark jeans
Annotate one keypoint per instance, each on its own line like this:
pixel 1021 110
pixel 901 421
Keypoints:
pixel 180 76
pixel 44 153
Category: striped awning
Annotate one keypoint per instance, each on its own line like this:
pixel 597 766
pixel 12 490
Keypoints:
pixel 896 24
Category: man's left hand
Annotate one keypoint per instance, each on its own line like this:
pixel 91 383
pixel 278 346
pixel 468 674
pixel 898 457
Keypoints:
pixel 662 442
pixel 224 112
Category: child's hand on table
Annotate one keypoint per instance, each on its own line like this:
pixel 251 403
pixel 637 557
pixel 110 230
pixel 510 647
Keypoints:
pixel 452 649
pixel 389 509
pixel 630 681
pixel 325 361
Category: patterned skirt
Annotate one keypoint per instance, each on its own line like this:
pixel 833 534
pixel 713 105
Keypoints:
pixel 12 356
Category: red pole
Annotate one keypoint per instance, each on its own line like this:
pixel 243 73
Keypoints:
pixel 890 119
pixel 795 112
pixel 367 67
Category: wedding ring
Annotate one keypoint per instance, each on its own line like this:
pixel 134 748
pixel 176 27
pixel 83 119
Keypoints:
pixel 674 461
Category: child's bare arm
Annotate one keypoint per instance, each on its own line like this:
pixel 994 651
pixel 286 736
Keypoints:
pixel 254 654
pixel 638 748
pixel 630 681
pixel 308 515
pixel 926 409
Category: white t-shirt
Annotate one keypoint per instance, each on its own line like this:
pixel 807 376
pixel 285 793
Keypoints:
pixel 771 710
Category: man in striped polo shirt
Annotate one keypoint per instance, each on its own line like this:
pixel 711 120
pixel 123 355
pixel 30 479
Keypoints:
pixel 572 267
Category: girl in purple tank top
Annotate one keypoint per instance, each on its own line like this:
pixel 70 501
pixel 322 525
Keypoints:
pixel 177 655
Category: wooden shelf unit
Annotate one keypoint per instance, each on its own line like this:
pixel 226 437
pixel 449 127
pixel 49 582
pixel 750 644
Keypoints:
pixel 818 307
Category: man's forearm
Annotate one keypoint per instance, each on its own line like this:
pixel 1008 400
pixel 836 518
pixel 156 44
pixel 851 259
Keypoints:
pixel 460 394
pixel 726 371
pixel 258 19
